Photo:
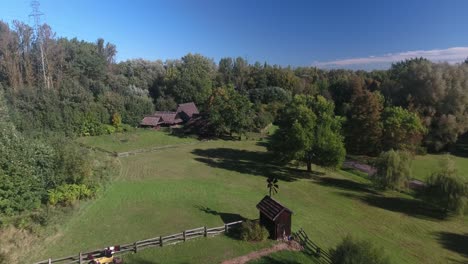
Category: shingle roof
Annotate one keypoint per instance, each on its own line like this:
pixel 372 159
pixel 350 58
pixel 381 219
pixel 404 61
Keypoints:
pixel 188 108
pixel 271 208
pixel 150 121
pixel 167 117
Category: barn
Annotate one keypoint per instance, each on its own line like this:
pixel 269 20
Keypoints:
pixel 185 112
pixel 275 218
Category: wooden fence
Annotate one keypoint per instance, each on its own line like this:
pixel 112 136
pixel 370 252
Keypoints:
pixel 82 257
pixel 311 248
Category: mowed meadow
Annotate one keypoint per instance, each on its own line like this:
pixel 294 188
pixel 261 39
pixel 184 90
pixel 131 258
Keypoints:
pixel 208 183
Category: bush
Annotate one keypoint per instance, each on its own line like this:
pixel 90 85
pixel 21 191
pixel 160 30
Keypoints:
pixel 253 231
pixel 446 189
pixel 109 129
pixel 68 194
pixel 262 119
pixel 393 170
pixel 127 128
pixel 351 251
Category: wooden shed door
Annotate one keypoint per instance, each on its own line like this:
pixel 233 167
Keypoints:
pixel 281 231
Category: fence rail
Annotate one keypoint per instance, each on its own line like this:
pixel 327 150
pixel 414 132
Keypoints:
pixel 309 247
pixel 83 257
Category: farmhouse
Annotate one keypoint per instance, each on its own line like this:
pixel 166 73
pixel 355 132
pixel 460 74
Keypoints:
pixel 185 112
pixel 275 218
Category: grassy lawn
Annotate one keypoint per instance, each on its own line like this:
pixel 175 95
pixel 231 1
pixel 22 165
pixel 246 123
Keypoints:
pixel 165 192
pixel 138 139
pixel 424 166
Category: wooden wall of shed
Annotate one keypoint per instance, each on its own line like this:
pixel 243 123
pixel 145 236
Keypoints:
pixel 283 222
pixel 269 225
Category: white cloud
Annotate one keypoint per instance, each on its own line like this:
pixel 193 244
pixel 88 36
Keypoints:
pixel 450 55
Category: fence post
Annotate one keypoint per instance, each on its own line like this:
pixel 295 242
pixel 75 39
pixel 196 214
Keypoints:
pixel 160 241
pixel 135 247
pixel 184 236
pixel 226 228
pixel 50 261
pixel 205 233
pixel 80 258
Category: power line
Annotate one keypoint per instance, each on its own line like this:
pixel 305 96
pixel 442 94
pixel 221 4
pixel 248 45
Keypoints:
pixel 36 14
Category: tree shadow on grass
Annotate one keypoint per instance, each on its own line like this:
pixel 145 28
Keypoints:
pixel 411 207
pixel 271 260
pixel 225 217
pixel 455 242
pixel 234 231
pixel 250 162
pixel 345 184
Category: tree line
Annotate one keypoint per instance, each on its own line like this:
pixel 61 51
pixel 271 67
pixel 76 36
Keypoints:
pixel 416 105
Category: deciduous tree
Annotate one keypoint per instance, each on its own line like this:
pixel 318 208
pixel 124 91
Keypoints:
pixel 309 132
pixel 393 170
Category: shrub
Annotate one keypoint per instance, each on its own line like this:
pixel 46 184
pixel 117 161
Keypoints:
pixel 127 128
pixel 351 251
pixel 109 129
pixel 117 121
pixel 68 194
pixel 253 231
pixel 90 126
pixel 262 119
pixel 393 170
pixel 446 189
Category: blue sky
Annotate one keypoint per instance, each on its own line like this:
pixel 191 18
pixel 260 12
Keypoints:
pixel 299 33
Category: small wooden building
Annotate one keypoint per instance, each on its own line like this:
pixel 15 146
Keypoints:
pixel 275 217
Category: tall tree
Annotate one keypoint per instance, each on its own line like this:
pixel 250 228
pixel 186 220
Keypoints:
pixel 240 73
pixel 309 132
pixel 403 130
pixel 437 92
pixel 191 80
pixel 229 112
pixel 363 126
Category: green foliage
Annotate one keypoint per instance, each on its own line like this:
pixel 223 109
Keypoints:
pixel 135 108
pixel 73 164
pixel 352 251
pixel 262 119
pixel 109 129
pixel 309 132
pixel 253 231
pixel 229 112
pixel 437 93
pixel 68 194
pixel 166 104
pixel 127 128
pixel 393 170
pixel 446 189
pixel 26 167
pixel 191 79
pixel 269 95
pixel 403 130
pixel 91 126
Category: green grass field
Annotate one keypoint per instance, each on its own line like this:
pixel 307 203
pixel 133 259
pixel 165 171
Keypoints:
pixel 138 139
pixel 168 191
pixel 424 166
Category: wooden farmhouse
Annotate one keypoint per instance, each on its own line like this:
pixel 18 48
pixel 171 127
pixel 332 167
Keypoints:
pixel 185 112
pixel 275 218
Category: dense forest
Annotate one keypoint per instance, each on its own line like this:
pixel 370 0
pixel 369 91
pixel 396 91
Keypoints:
pixel 416 105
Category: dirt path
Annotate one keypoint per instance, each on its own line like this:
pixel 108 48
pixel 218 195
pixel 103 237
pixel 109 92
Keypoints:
pixel 291 245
